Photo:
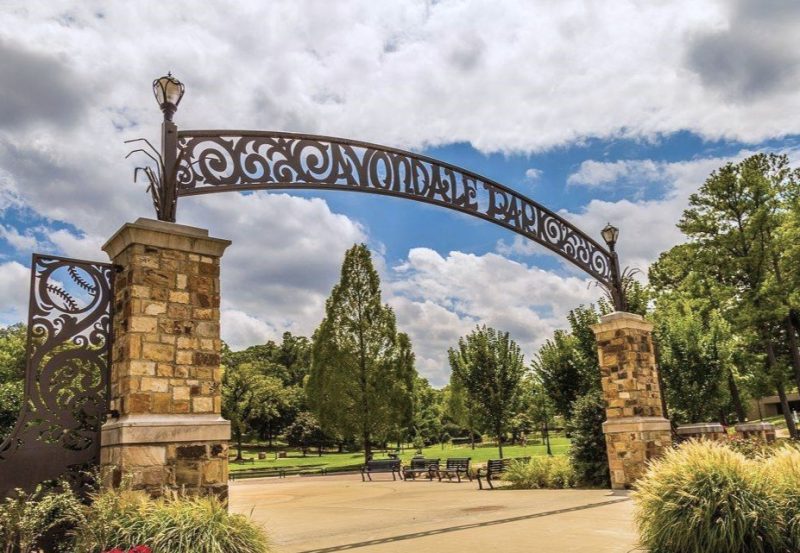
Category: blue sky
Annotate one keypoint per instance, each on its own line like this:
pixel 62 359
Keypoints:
pixel 602 111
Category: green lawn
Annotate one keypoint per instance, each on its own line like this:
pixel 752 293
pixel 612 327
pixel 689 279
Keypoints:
pixel 351 461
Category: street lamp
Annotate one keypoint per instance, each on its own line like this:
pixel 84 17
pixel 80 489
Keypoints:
pixel 168 92
pixel 610 234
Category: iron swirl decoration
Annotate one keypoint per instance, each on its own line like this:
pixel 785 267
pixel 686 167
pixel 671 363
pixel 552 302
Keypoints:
pixel 216 161
pixel 67 374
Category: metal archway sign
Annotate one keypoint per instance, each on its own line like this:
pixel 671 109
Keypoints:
pixel 195 162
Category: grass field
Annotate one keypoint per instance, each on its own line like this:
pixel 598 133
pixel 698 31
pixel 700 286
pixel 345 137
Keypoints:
pixel 351 461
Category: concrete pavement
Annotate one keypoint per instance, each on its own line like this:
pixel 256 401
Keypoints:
pixel 340 513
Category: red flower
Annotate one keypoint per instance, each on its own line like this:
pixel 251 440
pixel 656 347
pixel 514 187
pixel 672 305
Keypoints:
pixel 137 549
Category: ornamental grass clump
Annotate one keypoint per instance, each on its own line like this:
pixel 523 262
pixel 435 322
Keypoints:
pixel 172 524
pixel 782 471
pixel 706 498
pixel 541 473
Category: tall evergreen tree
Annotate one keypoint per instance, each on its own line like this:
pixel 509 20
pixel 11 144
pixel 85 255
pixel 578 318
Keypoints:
pixel 490 365
pixel 359 378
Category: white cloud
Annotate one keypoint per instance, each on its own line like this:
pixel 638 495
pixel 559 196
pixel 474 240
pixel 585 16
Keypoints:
pixel 14 285
pixel 593 173
pixel 558 72
pixel 241 330
pixel 285 256
pixel 18 241
pixel 438 299
pixel 533 174
pixel 81 247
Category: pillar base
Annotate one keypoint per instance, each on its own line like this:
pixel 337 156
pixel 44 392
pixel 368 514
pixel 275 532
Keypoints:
pixel 631 442
pixel 167 451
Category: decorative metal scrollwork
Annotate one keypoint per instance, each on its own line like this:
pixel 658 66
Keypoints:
pixel 216 161
pixel 57 434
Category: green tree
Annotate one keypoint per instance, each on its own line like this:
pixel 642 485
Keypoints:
pixel 243 389
pixel 277 406
pixel 427 419
pixel 305 432
pixel 695 360
pixel 567 364
pixel 490 365
pixel 460 409
pixel 404 403
pixel 536 402
pixel 735 223
pixel 588 450
pixel 12 375
pixel 356 375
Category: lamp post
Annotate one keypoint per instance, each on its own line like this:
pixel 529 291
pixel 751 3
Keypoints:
pixel 610 234
pixel 168 92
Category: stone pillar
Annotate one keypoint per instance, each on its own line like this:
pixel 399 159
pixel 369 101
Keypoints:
pixel 635 428
pixel 167 431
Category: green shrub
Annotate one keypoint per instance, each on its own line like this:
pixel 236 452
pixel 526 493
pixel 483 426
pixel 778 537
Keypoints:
pixel 25 518
pixel 172 524
pixel 706 498
pixel 753 448
pixel 782 470
pixel 588 449
pixel 541 472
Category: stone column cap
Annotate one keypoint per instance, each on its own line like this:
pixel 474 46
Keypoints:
pixel 161 234
pixel 620 320
pixel 173 428
pixel 635 424
pixel 755 426
pixel 700 428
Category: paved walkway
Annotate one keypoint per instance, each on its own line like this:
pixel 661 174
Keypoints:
pixel 340 513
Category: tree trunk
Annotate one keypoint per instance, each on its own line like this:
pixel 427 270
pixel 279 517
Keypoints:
pixel 500 444
pixel 791 333
pixel 775 372
pixel 661 388
pixel 367 446
pixel 741 416
pixel 547 438
pixel 787 413
pixel 238 444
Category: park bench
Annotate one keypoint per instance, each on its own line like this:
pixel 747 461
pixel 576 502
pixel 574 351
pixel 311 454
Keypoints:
pixel 496 467
pixel 257 473
pixel 455 466
pixel 276 471
pixel 381 465
pixel 421 466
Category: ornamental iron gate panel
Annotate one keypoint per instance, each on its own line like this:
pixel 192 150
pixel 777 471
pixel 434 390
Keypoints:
pixel 57 434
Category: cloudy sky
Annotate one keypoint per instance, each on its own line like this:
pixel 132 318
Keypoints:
pixel 604 111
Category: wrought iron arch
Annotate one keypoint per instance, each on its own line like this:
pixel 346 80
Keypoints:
pixel 195 162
